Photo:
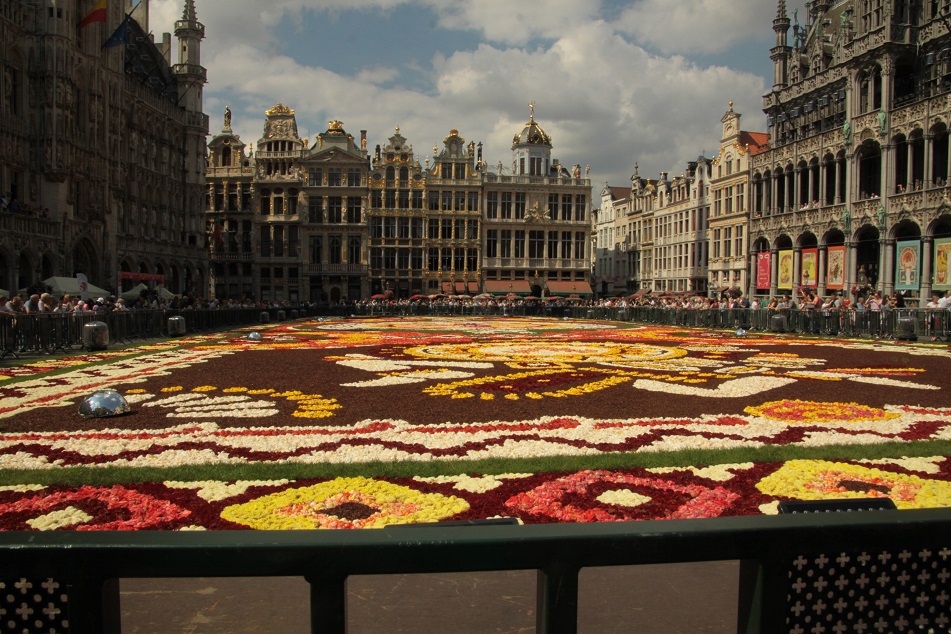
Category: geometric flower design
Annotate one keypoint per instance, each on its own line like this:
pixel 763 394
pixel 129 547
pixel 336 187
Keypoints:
pixel 89 508
pixel 823 480
pixel 587 496
pixel 344 503
pixel 791 410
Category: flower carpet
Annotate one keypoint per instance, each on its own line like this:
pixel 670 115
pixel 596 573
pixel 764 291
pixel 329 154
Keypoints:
pixel 360 423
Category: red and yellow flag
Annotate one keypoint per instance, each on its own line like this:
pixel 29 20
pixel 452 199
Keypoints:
pixel 98 14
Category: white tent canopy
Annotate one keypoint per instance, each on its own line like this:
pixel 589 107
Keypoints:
pixel 63 285
pixel 3 292
pixel 164 293
pixel 134 292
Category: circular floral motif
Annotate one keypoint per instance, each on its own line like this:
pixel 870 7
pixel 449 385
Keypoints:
pixel 344 503
pixel 796 411
pixel 528 352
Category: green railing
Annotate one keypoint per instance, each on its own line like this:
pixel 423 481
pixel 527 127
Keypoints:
pixel 770 549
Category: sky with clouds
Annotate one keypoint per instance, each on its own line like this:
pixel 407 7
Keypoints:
pixel 614 81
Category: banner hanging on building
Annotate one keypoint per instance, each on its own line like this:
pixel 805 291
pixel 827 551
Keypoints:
pixel 785 279
pixel 763 263
pixel 810 268
pixel 908 265
pixel 835 268
pixel 942 258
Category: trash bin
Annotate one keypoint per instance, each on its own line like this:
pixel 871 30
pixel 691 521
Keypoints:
pixel 294 314
pixel 176 326
pixel 96 336
pixel 777 323
pixel 265 317
pixel 906 329
pixel 281 315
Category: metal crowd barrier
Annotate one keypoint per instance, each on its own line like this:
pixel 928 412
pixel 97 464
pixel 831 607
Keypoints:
pixel 783 558
pixel 50 333
pixel 57 333
pixel 903 323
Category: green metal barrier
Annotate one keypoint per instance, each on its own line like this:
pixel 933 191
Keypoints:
pixel 770 548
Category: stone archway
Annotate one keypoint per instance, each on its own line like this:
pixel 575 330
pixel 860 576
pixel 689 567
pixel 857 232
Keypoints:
pixel 85 261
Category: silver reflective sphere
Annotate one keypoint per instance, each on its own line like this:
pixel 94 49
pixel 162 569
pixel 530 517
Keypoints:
pixel 740 333
pixel 103 403
pixel 254 336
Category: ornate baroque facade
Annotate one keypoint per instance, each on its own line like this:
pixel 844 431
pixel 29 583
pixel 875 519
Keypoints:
pixel 854 186
pixel 329 222
pixel 103 162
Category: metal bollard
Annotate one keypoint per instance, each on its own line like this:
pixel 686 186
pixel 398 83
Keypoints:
pixel 294 314
pixel 281 315
pixel 96 336
pixel 265 317
pixel 176 326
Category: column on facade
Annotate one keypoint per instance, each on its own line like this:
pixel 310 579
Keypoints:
pixel 927 275
pixel 796 268
pixel 821 272
pixel 774 271
pixel 886 264
pixel 929 148
pixel 797 178
pixel 910 171
pixel 773 192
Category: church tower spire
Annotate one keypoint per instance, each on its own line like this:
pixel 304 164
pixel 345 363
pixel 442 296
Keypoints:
pixel 781 52
pixel 189 71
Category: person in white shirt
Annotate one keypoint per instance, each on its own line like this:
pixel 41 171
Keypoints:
pixel 945 302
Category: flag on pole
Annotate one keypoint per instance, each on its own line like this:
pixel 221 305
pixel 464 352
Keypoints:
pixel 98 14
pixel 119 37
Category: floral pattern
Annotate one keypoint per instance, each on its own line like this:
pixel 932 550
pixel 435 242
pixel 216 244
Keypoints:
pixel 344 391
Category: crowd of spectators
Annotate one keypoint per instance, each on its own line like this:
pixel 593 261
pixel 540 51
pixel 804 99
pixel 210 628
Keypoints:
pixel 12 205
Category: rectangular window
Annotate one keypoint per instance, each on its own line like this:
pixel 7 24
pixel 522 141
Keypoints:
pixel 536 244
pixel 316 178
pixel 492 205
pixel 506 212
pixel 446 233
pixel 353 178
pixel 728 196
pixel 433 229
pixel 353 211
pixel 334 209
pixel 728 242
pixel 566 207
pixel 740 206
pixel 553 209
pixel 519 243
pixel 460 171
pixel 334 177
pixel 472 203
pixel 580 201
pixel 492 243
pixel 579 245
pixel 417 199
pixel 446 201
pixel 520 205
pixel 460 201
pixel 315 210
pixel 505 244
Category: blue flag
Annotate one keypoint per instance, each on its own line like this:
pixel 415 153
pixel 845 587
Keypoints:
pixel 119 37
